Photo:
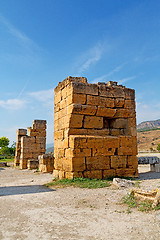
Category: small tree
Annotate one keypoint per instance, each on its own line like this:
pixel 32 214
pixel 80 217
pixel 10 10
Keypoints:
pixel 5 151
pixel 13 148
pixel 158 147
pixel 4 142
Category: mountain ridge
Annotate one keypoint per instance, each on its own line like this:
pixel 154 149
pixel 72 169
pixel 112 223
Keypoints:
pixel 149 124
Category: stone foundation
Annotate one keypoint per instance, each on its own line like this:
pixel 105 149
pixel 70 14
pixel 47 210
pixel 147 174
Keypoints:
pixel 94 130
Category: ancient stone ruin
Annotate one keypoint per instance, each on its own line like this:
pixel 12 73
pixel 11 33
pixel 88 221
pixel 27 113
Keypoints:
pixel 94 130
pixel 46 163
pixel 30 146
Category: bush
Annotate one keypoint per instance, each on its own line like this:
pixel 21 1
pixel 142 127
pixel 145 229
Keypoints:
pixel 158 147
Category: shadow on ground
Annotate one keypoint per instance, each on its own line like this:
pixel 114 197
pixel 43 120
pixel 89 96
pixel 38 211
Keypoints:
pixel 149 175
pixel 1 168
pixel 16 190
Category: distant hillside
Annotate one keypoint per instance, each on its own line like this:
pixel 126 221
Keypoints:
pixel 50 148
pixel 149 125
pixel 148 140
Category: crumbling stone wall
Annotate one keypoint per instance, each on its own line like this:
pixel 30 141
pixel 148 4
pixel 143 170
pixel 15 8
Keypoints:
pixel 94 130
pixel 30 146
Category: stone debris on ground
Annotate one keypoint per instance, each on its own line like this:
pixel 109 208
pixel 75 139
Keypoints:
pixel 123 183
pixel 153 195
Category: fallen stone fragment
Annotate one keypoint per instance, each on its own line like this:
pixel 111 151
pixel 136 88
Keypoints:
pixel 153 195
pixel 119 182
pixel 3 164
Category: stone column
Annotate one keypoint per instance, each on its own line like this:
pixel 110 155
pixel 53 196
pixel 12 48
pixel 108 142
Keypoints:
pixel 30 146
pixel 20 133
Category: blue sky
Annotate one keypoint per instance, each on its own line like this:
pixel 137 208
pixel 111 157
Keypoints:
pixel 44 41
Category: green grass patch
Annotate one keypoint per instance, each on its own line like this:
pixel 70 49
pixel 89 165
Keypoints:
pixel 7 160
pixel 137 183
pixel 79 182
pixel 143 206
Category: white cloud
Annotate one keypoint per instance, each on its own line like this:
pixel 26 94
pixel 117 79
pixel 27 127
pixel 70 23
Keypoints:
pixel 99 79
pixel 147 112
pixel 103 77
pixel 15 32
pixel 12 104
pixel 91 57
pixel 44 96
pixel 116 69
pixel 124 80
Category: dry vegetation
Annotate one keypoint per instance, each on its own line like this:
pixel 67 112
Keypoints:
pixel 148 140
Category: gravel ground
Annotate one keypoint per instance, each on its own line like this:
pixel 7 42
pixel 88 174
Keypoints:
pixel 28 210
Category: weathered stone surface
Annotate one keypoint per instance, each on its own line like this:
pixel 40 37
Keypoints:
pixel 100 101
pixel 93 122
pixel 106 112
pixel 93 174
pixel 73 164
pixel 46 163
pixel 123 183
pixel 94 130
pixel 32 164
pixel 153 196
pixel 118 162
pixel 97 163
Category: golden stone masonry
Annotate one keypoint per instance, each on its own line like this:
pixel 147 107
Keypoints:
pixel 30 146
pixel 94 130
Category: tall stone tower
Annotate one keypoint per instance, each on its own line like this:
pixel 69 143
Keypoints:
pixel 94 130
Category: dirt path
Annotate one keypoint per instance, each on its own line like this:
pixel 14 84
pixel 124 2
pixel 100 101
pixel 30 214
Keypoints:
pixel 28 210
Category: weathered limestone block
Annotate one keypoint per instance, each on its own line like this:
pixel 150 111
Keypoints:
pixel 93 122
pixel 46 163
pixel 153 195
pixel 106 112
pixel 123 183
pixel 83 109
pixel 119 102
pixel 32 164
pixel 98 163
pixel 94 130
pixel 100 101
pixel 73 164
pixel 118 162
pixel 93 174
pixel 91 89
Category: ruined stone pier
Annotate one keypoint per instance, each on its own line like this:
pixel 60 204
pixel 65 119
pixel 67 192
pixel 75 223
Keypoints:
pixel 94 130
pixel 30 146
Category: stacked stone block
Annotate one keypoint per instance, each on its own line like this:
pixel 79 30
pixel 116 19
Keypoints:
pixel 32 164
pixel 33 144
pixel 46 163
pixel 94 130
pixel 20 133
